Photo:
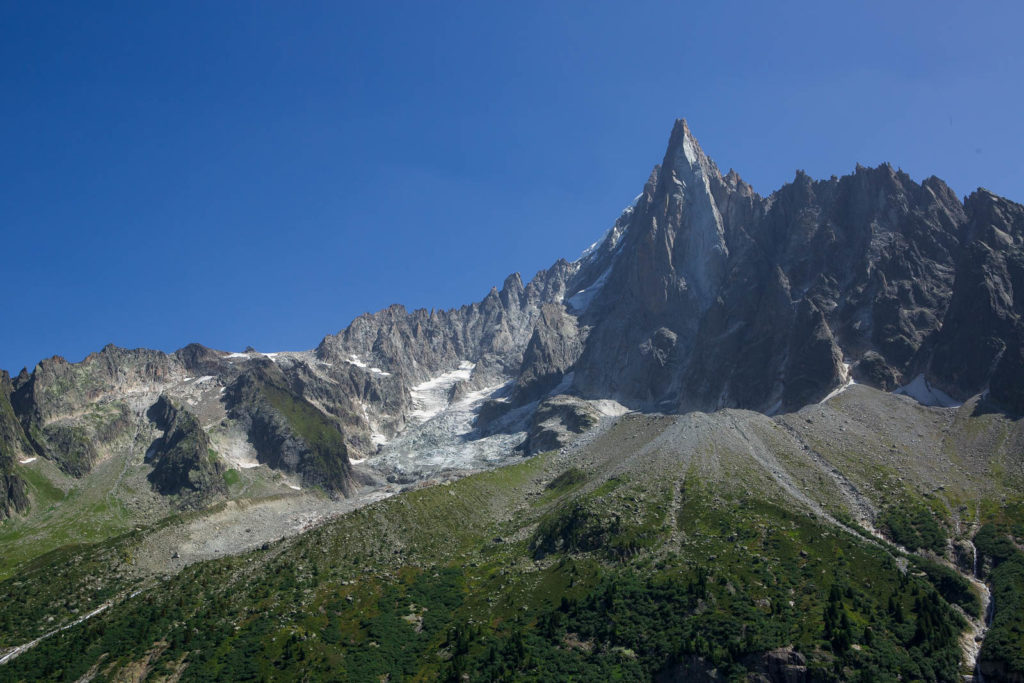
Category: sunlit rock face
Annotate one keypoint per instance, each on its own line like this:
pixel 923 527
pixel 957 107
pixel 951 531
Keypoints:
pixel 702 295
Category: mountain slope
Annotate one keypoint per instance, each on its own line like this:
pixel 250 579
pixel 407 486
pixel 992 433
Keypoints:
pixel 703 295
pixel 721 298
pixel 716 545
pixel 784 478
pixel 13 444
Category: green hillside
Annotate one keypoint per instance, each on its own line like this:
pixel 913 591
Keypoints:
pixel 698 547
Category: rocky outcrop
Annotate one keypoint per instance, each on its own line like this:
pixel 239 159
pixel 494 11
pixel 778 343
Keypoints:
pixel 981 337
pixel 716 297
pixel 664 276
pixel 57 388
pixel 197 359
pixel 69 411
pixel 557 421
pixel 289 433
pixel 832 269
pixel 554 347
pixel 70 447
pixel 421 344
pixel 13 493
pixel 782 665
pixel 184 462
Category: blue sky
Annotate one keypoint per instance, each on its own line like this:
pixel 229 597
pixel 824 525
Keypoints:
pixel 259 173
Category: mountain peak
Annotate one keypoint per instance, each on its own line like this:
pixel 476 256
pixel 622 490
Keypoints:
pixel 682 143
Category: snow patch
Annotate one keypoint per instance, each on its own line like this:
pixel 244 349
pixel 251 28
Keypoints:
pixel 293 486
pixel 581 299
pixel 358 362
pixel 611 236
pixel 848 382
pixel 204 378
pixel 25 461
pixel 596 245
pixel 924 393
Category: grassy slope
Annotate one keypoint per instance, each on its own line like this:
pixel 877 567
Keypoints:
pixel 668 543
pixel 325 462
pixel 61 514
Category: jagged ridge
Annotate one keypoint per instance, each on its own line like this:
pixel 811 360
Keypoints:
pixel 703 295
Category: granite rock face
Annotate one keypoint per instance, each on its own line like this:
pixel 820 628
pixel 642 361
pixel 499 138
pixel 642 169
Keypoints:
pixel 416 346
pixel 980 341
pixel 13 497
pixel 184 462
pixel 289 433
pixel 789 286
pixel 872 270
pixel 554 347
pixel 702 295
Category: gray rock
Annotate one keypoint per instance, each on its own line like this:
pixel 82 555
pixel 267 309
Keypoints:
pixel 184 462
pixel 703 295
pixel 13 495
pixel 557 421
pixel 554 347
pixel 288 432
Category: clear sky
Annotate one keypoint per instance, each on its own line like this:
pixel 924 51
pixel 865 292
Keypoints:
pixel 259 173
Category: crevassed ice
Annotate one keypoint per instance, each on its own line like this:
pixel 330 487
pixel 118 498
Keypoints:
pixel 445 441
pixel 431 397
